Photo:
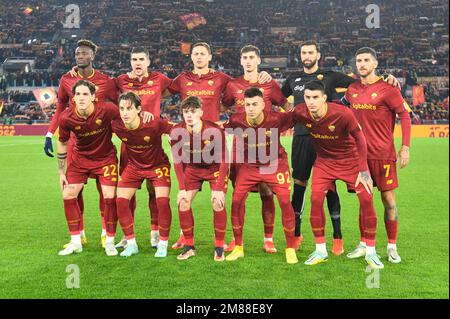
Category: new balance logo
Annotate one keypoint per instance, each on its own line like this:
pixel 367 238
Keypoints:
pixel 298 79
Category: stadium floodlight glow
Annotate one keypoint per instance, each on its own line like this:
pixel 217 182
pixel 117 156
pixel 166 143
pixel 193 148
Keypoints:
pixel 74 35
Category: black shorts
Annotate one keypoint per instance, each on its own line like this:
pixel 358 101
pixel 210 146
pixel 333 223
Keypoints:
pixel 302 157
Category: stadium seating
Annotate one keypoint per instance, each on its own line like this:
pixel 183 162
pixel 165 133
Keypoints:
pixel 409 40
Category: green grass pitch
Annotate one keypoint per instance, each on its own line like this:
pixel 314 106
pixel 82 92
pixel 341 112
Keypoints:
pixel 33 230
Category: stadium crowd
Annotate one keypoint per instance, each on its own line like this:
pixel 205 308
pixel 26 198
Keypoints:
pixel 408 39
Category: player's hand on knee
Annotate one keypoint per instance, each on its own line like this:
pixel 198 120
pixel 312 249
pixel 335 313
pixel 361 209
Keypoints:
pixel 218 198
pixel 147 116
pixel 63 181
pixel 264 77
pixel 403 156
pixel 48 146
pixel 365 179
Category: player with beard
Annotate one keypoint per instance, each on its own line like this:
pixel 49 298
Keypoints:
pixel 303 154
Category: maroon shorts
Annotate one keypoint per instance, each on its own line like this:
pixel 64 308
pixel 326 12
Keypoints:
pixel 327 172
pixel 384 174
pixel 106 173
pixel 277 177
pixel 195 176
pixel 132 177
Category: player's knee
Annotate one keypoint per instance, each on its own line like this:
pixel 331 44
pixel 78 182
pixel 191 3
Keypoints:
pixel 69 193
pixel 216 207
pixel 184 206
pixel 300 183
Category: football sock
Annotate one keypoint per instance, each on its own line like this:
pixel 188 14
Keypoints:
pixel 220 226
pixel 72 212
pixel 164 217
pixel 268 214
pixel 334 207
pixel 298 198
pixel 125 217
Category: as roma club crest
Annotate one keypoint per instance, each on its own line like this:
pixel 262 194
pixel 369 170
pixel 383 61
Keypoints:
pixel 308 125
pixel 98 122
pixel 189 84
pixel 320 77
pixel 150 82
pixel 147 138
pixel 355 95
pixel 210 82
pixel 332 128
pixel 130 84
pixel 78 128
pixel 124 139
pixel 374 95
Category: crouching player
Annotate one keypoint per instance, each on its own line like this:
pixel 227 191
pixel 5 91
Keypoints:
pixel 199 152
pixel 146 161
pixel 93 155
pixel 264 161
pixel 341 155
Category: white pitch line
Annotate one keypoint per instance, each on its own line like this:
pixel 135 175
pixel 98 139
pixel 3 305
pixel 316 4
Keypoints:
pixel 4 145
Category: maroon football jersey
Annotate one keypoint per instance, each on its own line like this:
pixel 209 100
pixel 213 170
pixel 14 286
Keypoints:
pixel 92 135
pixel 331 134
pixel 106 90
pixel 375 107
pixel 234 94
pixel 208 87
pixel 262 136
pixel 143 144
pixel 201 146
pixel 150 90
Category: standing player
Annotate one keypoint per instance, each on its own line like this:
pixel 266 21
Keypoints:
pixel 201 158
pixel 150 86
pixel 376 105
pixel 93 154
pixel 303 154
pixel 272 95
pixel 146 160
pixel 208 85
pixel 260 134
pixel 341 155
pixel 105 90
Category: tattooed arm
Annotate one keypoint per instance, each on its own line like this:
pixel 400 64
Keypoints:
pixel 62 160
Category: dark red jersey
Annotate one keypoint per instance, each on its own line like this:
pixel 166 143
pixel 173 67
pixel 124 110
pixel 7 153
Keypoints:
pixel 150 90
pixel 106 90
pixel 234 94
pixel 375 107
pixel 208 87
pixel 92 134
pixel 143 144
